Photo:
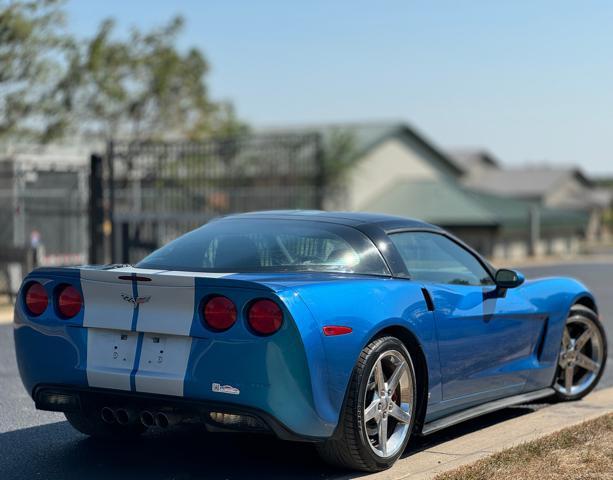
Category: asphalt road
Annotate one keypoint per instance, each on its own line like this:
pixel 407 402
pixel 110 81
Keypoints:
pixel 36 444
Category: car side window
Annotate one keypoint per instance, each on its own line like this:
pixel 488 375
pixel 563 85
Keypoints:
pixel 432 257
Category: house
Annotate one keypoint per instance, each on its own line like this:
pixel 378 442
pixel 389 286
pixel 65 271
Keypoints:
pixel 392 168
pixel 565 188
pixel 395 169
pixel 472 160
pixel 442 202
pixel 527 228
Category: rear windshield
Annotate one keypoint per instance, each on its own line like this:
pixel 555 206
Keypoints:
pixel 262 245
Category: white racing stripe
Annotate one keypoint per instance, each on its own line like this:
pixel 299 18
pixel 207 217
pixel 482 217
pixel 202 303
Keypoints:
pixel 170 308
pixel 170 305
pixel 158 361
pixel 103 297
pixel 162 364
pixel 179 273
pixel 103 303
pixel 110 358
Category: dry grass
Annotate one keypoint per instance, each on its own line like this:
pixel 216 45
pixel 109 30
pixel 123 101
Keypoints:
pixel 584 451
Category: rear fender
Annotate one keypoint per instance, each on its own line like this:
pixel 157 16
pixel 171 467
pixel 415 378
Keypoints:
pixel 367 307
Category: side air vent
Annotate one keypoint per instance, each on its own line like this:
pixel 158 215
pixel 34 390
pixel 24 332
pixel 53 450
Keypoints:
pixel 428 299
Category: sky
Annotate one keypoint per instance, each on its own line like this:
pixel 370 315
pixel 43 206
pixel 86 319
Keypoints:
pixel 529 81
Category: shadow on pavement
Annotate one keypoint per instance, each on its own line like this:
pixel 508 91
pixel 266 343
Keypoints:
pixel 56 451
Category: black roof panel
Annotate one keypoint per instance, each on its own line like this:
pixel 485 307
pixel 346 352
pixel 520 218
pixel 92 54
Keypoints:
pixel 344 218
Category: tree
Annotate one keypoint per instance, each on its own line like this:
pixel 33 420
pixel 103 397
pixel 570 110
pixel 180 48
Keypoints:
pixel 31 41
pixel 141 87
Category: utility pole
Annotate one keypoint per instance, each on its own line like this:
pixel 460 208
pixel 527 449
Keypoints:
pixel 535 229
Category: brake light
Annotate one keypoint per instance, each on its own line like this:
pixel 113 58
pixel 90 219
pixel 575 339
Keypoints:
pixel 36 299
pixel 69 301
pixel 265 317
pixel 219 313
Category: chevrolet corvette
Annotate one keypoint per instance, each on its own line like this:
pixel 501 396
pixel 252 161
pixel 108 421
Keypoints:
pixel 353 331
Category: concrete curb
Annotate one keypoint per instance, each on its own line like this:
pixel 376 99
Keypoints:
pixel 473 446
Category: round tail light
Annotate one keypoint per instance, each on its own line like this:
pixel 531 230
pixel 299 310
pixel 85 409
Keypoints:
pixel 36 299
pixel 265 317
pixel 219 313
pixel 69 301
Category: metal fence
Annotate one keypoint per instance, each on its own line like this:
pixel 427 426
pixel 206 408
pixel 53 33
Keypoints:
pixel 153 192
pixel 41 209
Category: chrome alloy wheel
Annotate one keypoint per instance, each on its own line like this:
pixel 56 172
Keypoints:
pixel 581 356
pixel 388 403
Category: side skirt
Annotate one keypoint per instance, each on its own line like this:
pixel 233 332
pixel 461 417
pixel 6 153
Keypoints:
pixel 489 407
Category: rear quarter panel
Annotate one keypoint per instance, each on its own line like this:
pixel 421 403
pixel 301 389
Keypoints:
pixel 368 306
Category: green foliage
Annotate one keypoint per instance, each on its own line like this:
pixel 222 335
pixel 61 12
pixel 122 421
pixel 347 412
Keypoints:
pixel 31 42
pixel 340 153
pixel 139 86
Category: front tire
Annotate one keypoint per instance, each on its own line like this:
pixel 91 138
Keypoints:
pixel 379 411
pixel 583 354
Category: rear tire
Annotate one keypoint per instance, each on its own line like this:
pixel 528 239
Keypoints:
pixel 91 424
pixel 380 403
pixel 583 355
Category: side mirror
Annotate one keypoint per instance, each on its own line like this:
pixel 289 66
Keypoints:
pixel 506 278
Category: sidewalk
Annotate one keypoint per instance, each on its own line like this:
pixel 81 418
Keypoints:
pixel 6 314
pixel 482 443
pixel 599 258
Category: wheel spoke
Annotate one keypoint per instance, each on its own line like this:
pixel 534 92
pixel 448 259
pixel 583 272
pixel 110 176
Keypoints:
pixel 399 414
pixel 392 383
pixel 565 339
pixel 382 433
pixel 392 397
pixel 561 362
pixel 371 411
pixel 587 363
pixel 568 378
pixel 582 351
pixel 583 339
pixel 379 378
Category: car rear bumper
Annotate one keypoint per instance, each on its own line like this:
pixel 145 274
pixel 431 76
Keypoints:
pixel 210 413
pixel 272 377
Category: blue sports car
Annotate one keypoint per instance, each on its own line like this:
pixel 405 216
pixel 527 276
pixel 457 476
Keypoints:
pixel 353 331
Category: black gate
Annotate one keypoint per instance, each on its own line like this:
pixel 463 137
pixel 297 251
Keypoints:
pixel 149 193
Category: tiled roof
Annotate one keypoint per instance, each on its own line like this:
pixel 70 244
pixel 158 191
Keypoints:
pixel 369 134
pixel 529 182
pixel 436 201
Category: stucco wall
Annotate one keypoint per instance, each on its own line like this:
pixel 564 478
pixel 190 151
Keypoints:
pixel 570 187
pixel 391 160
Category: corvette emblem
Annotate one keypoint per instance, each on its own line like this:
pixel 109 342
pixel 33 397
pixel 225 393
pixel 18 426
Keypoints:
pixel 135 300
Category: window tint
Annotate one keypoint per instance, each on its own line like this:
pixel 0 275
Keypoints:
pixel 434 258
pixel 255 245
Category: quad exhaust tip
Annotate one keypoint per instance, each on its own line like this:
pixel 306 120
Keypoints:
pixel 165 420
pixel 124 416
pixel 147 418
pixel 107 414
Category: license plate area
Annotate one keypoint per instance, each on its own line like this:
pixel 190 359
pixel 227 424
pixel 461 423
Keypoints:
pixel 137 361
pixel 163 363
